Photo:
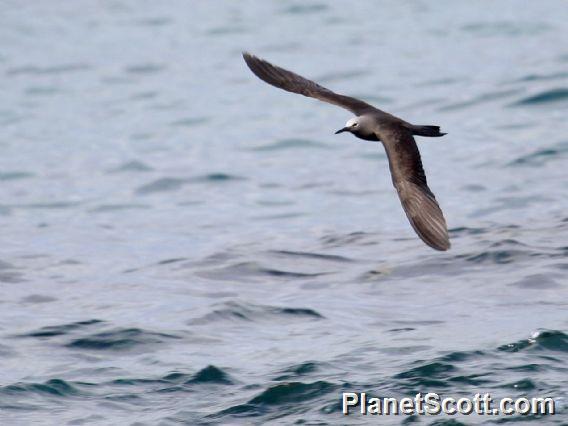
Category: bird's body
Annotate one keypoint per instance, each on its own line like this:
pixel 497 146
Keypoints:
pixel 396 135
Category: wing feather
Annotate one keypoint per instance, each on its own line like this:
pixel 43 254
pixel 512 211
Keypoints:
pixel 409 179
pixel 292 82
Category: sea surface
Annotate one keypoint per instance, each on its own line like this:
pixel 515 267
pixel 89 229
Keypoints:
pixel 184 244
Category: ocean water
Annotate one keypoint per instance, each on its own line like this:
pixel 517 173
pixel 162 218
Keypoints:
pixel 184 244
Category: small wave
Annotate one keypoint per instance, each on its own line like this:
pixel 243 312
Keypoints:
pixel 543 340
pixel 120 339
pixel 55 205
pixel 297 312
pixel 161 185
pixel 446 81
pixel 299 370
pixel 154 22
pixel 283 216
pixel 54 387
pixel 143 95
pixel 467 231
pixel 275 203
pixel 4 176
pixel 178 381
pixel 145 68
pixel 172 260
pixel 51 70
pixel 419 322
pixel 189 121
pixel 233 311
pixel 546 97
pixel 215 177
pixel 279 396
pixel 461 356
pixel 536 282
pixel 442 371
pixel 401 330
pixel 211 374
pixel 542 156
pixel 6 265
pixel 512 203
pixel 227 30
pixel 285 144
pixel 541 77
pixel 524 385
pixel 438 266
pixel 505 28
pixel 5 210
pixel 429 374
pixel 247 270
pixel 527 368
pixel 137 382
pixel 478 100
pixel 355 238
pixel 10 274
pixel 61 330
pixel 132 166
pixel 471 379
pixel 166 184
pixel 43 90
pixel 497 257
pixel 12 277
pixel 292 392
pixel 303 9
pixel 509 251
pixel 118 207
pixel 375 157
pixel 310 255
pixel 6 351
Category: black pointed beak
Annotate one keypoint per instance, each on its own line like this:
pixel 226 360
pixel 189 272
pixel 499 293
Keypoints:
pixel 342 130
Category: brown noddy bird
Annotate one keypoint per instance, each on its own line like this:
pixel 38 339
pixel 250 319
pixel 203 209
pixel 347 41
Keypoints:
pixel 396 135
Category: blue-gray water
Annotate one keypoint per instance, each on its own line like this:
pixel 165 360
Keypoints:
pixel 182 243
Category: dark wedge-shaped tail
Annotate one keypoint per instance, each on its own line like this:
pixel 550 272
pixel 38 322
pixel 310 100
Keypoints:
pixel 429 131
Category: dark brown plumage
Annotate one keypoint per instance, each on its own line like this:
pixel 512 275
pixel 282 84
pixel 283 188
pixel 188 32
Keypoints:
pixel 287 80
pixel 372 124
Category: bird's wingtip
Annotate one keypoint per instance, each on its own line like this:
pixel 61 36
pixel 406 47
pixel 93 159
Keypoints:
pixel 249 58
pixel 439 245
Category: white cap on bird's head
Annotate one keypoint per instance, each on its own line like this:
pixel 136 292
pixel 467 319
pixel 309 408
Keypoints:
pixel 350 125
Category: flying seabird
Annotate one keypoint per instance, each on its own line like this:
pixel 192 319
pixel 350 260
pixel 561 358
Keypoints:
pixel 396 135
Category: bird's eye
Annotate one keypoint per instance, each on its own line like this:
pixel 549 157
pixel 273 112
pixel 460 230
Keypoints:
pixel 354 125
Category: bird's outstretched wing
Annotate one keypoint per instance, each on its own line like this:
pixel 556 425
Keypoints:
pixel 291 82
pixel 409 179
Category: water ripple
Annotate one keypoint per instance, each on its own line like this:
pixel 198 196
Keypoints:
pixel 33 70
pixel 54 387
pixel 552 96
pixel 245 271
pixel 61 330
pixel 310 255
pixel 235 311
pixel 132 166
pixel 281 396
pixel 544 340
pixel 287 144
pixel 210 374
pixel 542 156
pixel 120 339
pixel 167 184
